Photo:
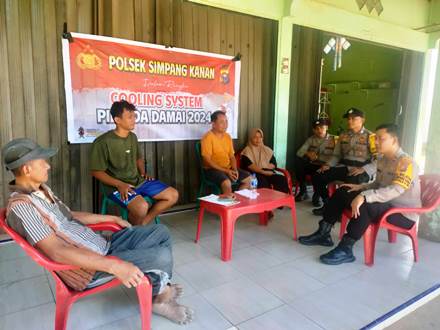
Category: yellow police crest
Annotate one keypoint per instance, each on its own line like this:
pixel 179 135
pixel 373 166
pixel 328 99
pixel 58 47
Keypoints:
pixel 88 61
pixel 224 74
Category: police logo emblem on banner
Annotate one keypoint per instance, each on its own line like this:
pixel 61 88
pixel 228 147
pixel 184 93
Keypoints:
pixel 88 61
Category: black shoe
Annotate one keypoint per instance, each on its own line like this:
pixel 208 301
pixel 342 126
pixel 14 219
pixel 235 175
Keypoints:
pixel 302 196
pixel 320 237
pixel 343 253
pixel 319 211
pixel 316 200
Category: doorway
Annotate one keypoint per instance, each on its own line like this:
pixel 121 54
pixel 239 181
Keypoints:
pixel 384 82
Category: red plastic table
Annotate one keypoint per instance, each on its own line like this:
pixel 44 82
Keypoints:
pixel 267 200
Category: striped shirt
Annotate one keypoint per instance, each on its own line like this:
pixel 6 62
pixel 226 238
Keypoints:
pixel 26 219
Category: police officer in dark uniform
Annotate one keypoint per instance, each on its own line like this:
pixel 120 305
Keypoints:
pixel 397 184
pixel 316 151
pixel 353 159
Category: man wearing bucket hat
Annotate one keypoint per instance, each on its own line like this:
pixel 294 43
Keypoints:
pixel 353 159
pixel 47 223
pixel 316 151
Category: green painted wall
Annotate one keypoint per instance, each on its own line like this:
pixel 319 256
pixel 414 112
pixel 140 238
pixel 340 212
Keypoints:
pixel 432 149
pixel 434 18
pixel 368 79
pixel 274 9
pixel 411 13
pixel 390 28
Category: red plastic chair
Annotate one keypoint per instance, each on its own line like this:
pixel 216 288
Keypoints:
pixel 65 296
pixel 332 187
pixel 308 180
pixel 430 196
pixel 282 170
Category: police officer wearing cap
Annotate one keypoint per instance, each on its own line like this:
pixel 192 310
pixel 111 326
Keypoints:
pixel 396 184
pixel 316 151
pixel 353 159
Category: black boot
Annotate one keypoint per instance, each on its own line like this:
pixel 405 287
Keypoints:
pixel 316 200
pixel 319 237
pixel 320 210
pixel 302 196
pixel 341 254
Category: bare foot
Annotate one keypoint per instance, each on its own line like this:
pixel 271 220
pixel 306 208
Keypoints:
pixel 174 312
pixel 171 293
pixel 177 291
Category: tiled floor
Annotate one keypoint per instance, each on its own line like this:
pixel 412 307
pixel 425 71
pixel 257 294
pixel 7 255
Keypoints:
pixel 425 317
pixel 272 282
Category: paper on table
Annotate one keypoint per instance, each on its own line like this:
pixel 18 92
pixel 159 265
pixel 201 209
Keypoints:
pixel 251 194
pixel 216 200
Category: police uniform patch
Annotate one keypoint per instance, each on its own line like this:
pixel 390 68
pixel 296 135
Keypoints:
pixel 372 143
pixel 403 164
pixel 404 173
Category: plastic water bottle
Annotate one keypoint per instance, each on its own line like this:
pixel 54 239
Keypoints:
pixel 254 182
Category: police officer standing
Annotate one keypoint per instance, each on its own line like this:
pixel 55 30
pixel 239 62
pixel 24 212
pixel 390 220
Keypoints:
pixel 397 185
pixel 315 152
pixel 353 157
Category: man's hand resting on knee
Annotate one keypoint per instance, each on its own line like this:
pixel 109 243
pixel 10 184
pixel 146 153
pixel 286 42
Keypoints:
pixel 323 168
pixel 124 189
pixel 129 274
pixel 352 187
pixel 232 174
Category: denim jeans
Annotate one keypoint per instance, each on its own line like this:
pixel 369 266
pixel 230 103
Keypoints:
pixel 147 247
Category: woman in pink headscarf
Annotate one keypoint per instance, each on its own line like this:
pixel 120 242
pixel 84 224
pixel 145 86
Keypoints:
pixel 259 159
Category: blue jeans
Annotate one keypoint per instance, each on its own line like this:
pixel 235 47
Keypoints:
pixel 147 247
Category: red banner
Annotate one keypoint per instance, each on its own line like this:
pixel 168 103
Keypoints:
pixel 174 90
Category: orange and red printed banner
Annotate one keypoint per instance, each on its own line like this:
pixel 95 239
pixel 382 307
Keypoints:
pixel 174 90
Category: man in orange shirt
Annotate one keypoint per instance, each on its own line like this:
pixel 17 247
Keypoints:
pixel 218 156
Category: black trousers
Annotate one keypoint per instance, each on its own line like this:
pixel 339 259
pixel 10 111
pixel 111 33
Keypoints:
pixel 321 180
pixel 279 182
pixel 369 212
pixel 304 167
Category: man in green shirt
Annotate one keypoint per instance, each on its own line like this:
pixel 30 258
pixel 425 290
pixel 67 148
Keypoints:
pixel 116 161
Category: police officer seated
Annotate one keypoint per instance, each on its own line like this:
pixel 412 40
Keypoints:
pixel 396 185
pixel 353 159
pixel 316 151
